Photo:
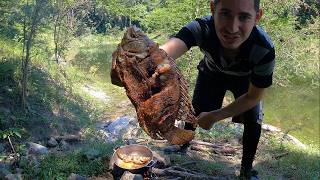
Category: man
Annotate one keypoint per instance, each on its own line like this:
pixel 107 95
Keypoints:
pixel 238 56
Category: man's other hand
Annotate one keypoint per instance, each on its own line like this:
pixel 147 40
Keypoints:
pixel 115 80
pixel 206 120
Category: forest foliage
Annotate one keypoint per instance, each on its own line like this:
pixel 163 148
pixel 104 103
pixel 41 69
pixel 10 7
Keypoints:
pixel 292 25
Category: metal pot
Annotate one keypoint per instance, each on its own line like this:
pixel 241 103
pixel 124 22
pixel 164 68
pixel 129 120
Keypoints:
pixel 119 166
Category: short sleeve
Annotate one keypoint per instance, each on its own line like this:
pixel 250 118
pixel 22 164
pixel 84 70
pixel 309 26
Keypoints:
pixel 191 34
pixel 262 72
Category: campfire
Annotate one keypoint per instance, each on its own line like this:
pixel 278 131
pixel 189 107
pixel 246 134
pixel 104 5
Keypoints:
pixel 155 167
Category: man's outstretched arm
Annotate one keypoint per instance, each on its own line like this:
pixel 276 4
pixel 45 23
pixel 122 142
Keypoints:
pixel 240 105
pixel 175 48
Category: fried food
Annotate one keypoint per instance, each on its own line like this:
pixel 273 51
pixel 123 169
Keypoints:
pixel 155 86
pixel 133 158
pixel 127 165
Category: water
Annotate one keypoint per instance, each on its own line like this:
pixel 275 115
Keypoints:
pixel 294 109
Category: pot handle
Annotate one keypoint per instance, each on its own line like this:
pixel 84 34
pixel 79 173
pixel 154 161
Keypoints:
pixel 116 148
pixel 152 163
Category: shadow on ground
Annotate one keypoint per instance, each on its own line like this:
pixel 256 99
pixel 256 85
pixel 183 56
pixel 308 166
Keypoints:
pixel 51 110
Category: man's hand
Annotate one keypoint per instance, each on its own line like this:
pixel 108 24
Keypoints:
pixel 115 80
pixel 206 120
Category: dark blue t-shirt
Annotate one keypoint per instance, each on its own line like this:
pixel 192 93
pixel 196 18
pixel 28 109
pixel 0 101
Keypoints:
pixel 256 58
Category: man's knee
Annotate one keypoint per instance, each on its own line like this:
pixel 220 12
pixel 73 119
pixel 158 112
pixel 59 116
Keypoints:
pixel 253 115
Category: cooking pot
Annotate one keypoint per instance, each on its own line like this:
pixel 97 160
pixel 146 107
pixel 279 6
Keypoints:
pixel 119 166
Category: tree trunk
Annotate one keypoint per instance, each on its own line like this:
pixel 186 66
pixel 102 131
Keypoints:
pixel 56 36
pixel 27 45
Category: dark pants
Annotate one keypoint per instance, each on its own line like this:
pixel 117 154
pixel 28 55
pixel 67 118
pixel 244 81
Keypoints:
pixel 208 95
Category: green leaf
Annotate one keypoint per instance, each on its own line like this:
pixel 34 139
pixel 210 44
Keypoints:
pixel 17 134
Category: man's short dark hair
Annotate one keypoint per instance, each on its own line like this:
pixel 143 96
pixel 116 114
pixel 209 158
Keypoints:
pixel 255 2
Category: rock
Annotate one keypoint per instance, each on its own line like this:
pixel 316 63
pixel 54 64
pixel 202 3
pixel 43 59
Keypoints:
pixel 124 127
pixel 289 137
pixel 132 131
pixel 105 176
pixel 269 127
pixel 11 160
pixel 2 148
pixel 64 145
pixel 13 177
pixel 120 124
pixel 34 148
pixel 129 176
pixel 295 141
pixel 76 177
pixel 2 165
pixel 5 110
pixel 19 171
pixel 27 162
pixel 52 142
pixel 105 135
pixel 4 172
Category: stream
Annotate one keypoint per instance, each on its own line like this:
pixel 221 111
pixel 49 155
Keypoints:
pixel 294 109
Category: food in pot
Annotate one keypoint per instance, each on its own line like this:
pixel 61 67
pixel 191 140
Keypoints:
pixel 155 87
pixel 133 158
pixel 127 165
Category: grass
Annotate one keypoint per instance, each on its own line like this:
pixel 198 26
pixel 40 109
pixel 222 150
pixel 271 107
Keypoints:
pixel 286 160
pixel 56 101
pixel 90 160
pixel 208 167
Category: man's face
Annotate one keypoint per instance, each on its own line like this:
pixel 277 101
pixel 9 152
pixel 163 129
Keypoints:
pixel 233 21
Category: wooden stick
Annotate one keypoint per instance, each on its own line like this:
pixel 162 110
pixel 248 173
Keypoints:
pixel 68 138
pixel 184 175
pixel 183 169
pixel 218 150
pixel 281 155
pixel 196 142
pixel 203 148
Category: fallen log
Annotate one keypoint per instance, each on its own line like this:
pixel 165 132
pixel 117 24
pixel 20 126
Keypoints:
pixel 169 178
pixel 218 150
pixel 68 138
pixel 197 142
pixel 203 149
pixel 182 174
pixel 182 169
pixel 281 155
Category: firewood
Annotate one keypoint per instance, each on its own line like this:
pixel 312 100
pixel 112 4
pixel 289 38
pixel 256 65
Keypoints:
pixel 197 142
pixel 183 169
pixel 176 173
pixel 217 150
pixel 203 149
pixel 68 138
